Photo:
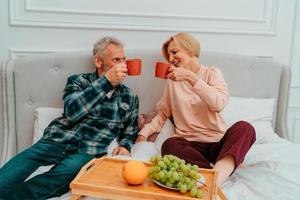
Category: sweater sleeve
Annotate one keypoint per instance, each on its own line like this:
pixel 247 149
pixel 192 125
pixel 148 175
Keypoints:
pixel 215 92
pixel 163 109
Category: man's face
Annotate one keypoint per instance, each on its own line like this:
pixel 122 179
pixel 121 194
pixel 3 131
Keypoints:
pixel 113 55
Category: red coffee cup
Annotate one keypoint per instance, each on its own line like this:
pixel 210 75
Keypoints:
pixel 134 67
pixel 161 69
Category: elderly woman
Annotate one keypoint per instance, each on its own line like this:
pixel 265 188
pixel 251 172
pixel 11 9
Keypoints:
pixel 193 98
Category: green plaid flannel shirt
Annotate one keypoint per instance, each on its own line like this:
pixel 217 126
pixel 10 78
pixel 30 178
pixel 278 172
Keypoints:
pixel 91 120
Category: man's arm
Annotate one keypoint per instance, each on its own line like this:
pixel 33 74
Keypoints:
pixel 128 134
pixel 79 100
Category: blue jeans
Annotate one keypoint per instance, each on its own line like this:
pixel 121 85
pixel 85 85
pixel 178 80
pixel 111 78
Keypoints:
pixel 67 163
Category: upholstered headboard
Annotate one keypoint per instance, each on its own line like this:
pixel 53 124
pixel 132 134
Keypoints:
pixel 38 81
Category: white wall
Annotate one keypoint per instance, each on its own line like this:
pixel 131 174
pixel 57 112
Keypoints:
pixel 267 28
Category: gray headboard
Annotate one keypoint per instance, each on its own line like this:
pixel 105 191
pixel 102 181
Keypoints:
pixel 38 81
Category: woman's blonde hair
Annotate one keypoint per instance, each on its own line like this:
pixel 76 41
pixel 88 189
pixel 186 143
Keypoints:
pixel 185 41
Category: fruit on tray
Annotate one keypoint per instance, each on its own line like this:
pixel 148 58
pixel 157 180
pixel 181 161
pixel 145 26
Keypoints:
pixel 174 173
pixel 134 172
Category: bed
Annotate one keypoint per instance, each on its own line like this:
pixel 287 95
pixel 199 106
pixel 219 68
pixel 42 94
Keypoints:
pixel 32 87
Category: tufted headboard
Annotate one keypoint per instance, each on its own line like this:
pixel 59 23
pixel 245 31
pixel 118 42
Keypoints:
pixel 38 81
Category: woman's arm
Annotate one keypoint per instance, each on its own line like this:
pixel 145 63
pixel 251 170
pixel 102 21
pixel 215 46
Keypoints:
pixel 215 92
pixel 163 109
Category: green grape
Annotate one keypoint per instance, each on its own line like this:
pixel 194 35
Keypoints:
pixel 169 174
pixel 175 165
pixel 161 164
pixel 157 177
pixel 199 194
pixel 189 165
pixel 182 161
pixel 175 176
pixel 195 168
pixel 162 174
pixel 183 188
pixel 187 180
pixel 175 172
pixel 181 175
pixel 158 158
pixel 177 160
pixel 156 169
pixel 194 192
pixel 179 184
pixel 172 169
pixel 183 167
pixel 166 160
pixel 172 180
pixel 169 184
pixel 190 185
pixel 163 180
pixel 170 157
pixel 193 174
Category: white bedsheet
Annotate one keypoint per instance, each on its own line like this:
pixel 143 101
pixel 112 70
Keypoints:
pixel 271 171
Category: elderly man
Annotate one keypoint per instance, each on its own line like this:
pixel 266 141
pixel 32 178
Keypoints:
pixel 97 109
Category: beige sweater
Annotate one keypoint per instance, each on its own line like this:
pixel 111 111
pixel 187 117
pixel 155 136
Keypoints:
pixel 194 110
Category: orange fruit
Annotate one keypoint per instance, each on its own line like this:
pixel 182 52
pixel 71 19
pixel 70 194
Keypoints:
pixel 134 172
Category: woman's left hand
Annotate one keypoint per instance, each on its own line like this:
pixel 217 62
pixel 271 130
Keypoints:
pixel 182 74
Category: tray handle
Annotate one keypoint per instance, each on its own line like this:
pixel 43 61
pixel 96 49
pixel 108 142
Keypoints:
pixel 88 167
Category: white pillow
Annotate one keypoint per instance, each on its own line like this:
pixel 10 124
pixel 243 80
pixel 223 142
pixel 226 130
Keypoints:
pixel 42 118
pixel 248 109
pixel 166 132
pixel 264 132
pixel 144 150
pixel 256 111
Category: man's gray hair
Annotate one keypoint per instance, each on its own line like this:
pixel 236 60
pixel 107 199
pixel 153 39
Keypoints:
pixel 101 45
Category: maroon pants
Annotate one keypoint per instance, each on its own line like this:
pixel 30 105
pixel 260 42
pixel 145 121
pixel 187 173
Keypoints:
pixel 236 142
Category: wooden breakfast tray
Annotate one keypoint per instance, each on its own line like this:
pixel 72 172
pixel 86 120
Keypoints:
pixel 103 178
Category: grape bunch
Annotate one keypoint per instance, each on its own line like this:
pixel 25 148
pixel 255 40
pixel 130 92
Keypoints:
pixel 174 172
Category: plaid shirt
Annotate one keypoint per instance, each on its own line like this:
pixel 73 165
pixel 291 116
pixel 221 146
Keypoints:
pixel 91 120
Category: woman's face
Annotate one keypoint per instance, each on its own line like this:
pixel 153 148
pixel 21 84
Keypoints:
pixel 178 56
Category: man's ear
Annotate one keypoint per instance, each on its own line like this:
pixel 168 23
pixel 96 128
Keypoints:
pixel 97 62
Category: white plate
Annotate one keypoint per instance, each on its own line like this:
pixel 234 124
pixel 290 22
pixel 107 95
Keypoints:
pixel 200 183
pixel 164 186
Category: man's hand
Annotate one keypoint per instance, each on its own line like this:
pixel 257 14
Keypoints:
pixel 116 74
pixel 182 74
pixel 120 151
pixel 140 138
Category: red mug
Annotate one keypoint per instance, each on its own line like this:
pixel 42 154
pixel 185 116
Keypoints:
pixel 161 69
pixel 134 67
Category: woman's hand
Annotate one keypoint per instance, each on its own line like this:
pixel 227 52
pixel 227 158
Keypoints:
pixel 140 138
pixel 182 74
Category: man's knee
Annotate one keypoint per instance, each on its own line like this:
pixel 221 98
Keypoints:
pixel 74 163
